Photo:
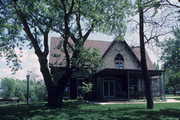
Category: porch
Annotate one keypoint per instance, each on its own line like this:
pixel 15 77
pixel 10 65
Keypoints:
pixel 121 84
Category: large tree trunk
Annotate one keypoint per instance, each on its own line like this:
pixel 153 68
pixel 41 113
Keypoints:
pixel 148 82
pixel 63 83
pixel 51 89
pixel 55 92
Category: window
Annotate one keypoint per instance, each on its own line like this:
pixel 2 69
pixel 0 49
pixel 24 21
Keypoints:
pixel 119 61
pixel 109 87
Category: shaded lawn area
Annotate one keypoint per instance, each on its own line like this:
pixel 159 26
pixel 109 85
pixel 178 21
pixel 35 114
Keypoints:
pixel 74 110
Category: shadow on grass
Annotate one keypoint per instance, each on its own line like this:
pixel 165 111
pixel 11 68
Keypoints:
pixel 159 115
pixel 17 112
pixel 75 110
pixel 39 111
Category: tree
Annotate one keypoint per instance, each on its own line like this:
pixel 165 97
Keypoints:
pixel 171 59
pixel 156 66
pixel 20 89
pixel 171 52
pixel 173 81
pixel 152 25
pixel 10 88
pixel 7 88
pixel 148 84
pixel 74 19
pixel 7 44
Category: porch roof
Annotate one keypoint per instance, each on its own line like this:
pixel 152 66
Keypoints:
pixel 113 71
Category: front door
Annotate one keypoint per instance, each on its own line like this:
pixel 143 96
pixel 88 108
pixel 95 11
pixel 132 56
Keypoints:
pixel 109 88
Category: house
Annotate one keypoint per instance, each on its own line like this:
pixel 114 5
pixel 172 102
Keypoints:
pixel 119 79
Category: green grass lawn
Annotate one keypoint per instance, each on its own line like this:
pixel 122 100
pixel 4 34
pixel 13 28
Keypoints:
pixel 73 110
pixel 172 95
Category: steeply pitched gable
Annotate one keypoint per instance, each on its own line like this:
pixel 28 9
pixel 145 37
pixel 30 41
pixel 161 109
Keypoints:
pixel 122 48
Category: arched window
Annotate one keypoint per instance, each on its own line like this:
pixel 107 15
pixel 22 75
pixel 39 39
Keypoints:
pixel 119 61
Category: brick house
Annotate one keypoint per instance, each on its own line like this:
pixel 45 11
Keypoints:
pixel 119 79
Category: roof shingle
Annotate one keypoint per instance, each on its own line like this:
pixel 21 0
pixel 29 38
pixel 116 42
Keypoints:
pixel 101 45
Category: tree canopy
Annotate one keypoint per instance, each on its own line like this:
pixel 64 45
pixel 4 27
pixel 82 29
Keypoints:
pixel 33 20
pixel 171 52
pixel 171 60
pixel 15 88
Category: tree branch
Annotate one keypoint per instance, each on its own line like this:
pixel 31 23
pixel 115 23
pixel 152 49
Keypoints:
pixel 78 18
pixel 45 34
pixel 154 37
pixel 64 6
pixel 65 43
pixel 170 4
pixel 70 46
pixel 71 8
pixel 73 38
pixel 133 21
pixel 46 46
pixel 29 33
pixel 41 30
pixel 88 33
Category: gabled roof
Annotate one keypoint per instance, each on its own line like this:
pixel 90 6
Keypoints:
pixel 103 46
pixel 127 46
pixel 136 51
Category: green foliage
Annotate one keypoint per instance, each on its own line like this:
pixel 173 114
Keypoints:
pixel 171 52
pixel 20 91
pixel 10 88
pixel 173 80
pixel 44 15
pixel 10 35
pixel 37 91
pixel 171 59
pixel 156 66
pixel 87 60
pixel 102 15
pixel 74 19
pixel 87 87
pixel 7 88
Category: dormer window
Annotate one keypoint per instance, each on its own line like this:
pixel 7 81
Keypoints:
pixel 119 61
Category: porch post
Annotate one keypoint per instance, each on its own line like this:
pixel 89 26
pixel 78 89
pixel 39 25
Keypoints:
pixel 160 78
pixel 128 83
pixel 162 84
